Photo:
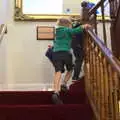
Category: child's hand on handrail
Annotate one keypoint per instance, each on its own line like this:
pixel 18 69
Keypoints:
pixel 49 46
pixel 86 26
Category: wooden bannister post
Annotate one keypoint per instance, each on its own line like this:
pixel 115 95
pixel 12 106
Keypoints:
pixel 85 11
pixel 88 17
pixel 115 26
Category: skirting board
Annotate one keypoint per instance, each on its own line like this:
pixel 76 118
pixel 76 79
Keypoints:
pixel 26 87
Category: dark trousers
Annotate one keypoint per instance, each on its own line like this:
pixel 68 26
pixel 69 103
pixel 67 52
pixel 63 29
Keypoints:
pixel 79 56
pixel 61 60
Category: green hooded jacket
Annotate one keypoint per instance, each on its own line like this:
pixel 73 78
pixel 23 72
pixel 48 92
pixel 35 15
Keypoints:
pixel 63 38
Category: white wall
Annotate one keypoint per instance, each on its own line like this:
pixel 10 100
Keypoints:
pixel 73 5
pixel 3 46
pixel 100 33
pixel 23 65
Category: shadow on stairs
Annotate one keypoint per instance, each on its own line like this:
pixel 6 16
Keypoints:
pixel 37 105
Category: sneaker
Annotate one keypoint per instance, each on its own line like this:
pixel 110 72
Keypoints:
pixel 56 99
pixel 64 88
pixel 75 81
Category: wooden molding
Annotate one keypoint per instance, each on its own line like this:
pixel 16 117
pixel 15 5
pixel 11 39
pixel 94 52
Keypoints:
pixel 1 28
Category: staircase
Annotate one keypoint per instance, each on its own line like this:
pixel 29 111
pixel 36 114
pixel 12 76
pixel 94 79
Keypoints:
pixel 37 105
pixel 102 78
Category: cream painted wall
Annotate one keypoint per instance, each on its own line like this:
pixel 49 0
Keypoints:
pixel 73 5
pixel 3 47
pixel 27 64
pixel 23 65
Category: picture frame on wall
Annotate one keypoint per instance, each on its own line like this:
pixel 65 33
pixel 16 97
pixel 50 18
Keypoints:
pixel 35 10
pixel 45 33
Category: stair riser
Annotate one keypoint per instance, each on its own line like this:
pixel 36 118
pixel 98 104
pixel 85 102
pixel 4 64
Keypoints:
pixel 56 112
pixel 37 98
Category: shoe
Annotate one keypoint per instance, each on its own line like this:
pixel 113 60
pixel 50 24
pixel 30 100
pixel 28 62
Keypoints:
pixel 64 88
pixel 75 81
pixel 56 99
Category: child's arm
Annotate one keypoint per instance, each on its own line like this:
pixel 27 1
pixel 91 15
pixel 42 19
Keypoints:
pixel 79 29
pixel 76 30
pixel 86 26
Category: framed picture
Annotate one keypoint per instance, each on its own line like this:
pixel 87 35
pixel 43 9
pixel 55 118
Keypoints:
pixel 45 33
pixel 45 9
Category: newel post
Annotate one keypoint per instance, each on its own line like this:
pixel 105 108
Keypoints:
pixel 85 10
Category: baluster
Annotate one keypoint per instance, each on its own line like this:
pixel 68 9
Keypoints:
pixel 115 96
pixel 89 70
pixel 106 89
pixel 91 73
pixel 98 78
pixel 102 89
pixel 95 73
pixel 93 77
pixel 110 93
pixel 87 76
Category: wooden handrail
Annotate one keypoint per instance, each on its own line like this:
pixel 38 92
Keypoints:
pixel 102 78
pixel 2 31
pixel 110 57
pixel 102 68
pixel 92 10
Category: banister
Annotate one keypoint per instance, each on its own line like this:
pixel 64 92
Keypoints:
pixel 110 57
pixel 102 68
pixel 93 9
pixel 2 31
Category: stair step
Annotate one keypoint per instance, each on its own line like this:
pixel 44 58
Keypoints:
pixel 78 85
pixel 37 105
pixel 25 97
pixel 39 97
pixel 72 97
pixel 45 112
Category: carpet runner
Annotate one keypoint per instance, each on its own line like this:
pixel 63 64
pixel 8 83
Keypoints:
pixel 37 105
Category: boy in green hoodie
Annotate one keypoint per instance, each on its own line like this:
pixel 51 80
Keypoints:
pixel 62 56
